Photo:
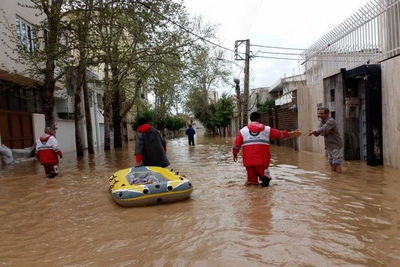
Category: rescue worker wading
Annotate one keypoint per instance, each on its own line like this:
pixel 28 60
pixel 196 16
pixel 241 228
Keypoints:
pixel 150 147
pixel 47 152
pixel 255 140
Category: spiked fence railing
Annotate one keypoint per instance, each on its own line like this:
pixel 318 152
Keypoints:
pixel 369 36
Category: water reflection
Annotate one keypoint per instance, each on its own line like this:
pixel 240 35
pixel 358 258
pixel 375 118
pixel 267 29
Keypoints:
pixel 307 217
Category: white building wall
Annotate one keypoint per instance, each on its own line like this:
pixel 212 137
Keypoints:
pixel 38 122
pixel 391 111
pixel 308 99
pixel 66 135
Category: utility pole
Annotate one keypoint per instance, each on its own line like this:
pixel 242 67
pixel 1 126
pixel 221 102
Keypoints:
pixel 246 83
pixel 239 105
pixel 246 58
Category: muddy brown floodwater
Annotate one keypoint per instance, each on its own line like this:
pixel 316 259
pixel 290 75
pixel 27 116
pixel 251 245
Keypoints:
pixel 307 217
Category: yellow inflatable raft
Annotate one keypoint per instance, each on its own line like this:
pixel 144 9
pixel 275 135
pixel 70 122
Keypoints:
pixel 143 185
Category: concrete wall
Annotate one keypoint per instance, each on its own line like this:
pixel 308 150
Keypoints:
pixel 66 135
pixel 308 98
pixel 335 82
pixel 38 122
pixel 391 111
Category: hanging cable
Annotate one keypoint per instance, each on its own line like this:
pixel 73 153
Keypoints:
pixel 285 58
pixel 278 53
pixel 185 29
pixel 278 47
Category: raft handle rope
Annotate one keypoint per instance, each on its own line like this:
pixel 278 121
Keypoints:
pixel 112 178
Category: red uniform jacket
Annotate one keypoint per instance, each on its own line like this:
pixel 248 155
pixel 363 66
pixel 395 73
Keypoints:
pixel 47 150
pixel 255 140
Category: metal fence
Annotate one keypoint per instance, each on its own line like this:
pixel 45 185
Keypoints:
pixel 369 36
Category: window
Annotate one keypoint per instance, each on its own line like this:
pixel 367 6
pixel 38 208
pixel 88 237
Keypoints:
pixel 332 95
pixel 26 34
pixel 100 101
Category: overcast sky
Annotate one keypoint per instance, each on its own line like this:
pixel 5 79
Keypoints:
pixel 284 23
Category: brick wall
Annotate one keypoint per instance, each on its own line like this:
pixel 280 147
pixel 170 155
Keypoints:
pixel 281 117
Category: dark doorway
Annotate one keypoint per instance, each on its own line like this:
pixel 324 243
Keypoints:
pixel 363 114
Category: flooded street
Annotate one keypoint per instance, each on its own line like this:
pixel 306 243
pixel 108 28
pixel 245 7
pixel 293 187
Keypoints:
pixel 307 217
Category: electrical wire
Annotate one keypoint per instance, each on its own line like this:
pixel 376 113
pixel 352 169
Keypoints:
pixel 278 47
pixel 240 73
pixel 186 30
pixel 278 53
pixel 231 50
pixel 285 58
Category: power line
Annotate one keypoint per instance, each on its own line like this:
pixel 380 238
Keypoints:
pixel 186 30
pixel 240 73
pixel 225 48
pixel 285 58
pixel 279 47
pixel 241 69
pixel 278 53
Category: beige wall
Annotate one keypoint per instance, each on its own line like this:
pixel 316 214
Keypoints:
pixel 391 111
pixel 307 99
pixel 11 11
pixel 38 123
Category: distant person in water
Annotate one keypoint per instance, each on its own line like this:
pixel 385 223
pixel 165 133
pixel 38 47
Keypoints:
pixel 190 132
pixel 333 142
pixel 47 152
pixel 150 146
pixel 255 140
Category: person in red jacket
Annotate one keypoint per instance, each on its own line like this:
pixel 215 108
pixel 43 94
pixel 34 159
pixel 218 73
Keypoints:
pixel 150 147
pixel 47 152
pixel 255 140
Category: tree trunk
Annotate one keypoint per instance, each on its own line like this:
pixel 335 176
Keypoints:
pixel 107 109
pixel 116 106
pixel 117 119
pixel 89 129
pixel 107 121
pixel 126 138
pixel 83 43
pixel 77 113
pixel 47 97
